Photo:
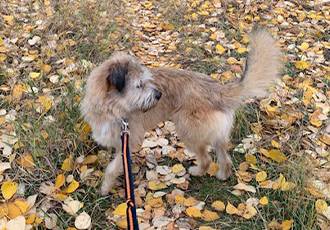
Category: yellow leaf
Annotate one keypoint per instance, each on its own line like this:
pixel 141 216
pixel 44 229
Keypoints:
pixel 261 176
pixel 241 50
pixel 34 75
pixel 90 159
pixel 206 228
pixel 193 212
pixel 155 202
pixel 47 68
pixel 194 16
pixel 210 216
pixel 213 36
pixel 286 186
pixel 3 57
pixel 1 41
pixel 250 211
pixel 218 205
pixel 67 164
pixel 220 48
pixel 230 209
pixel 287 224
pixel 263 200
pixel 22 205
pixel 264 152
pixel 3 210
pixel 231 60
pixel 316 121
pixel 122 223
pixel 72 186
pixel 71 228
pixel 190 202
pixel 60 179
pixel 275 144
pixel 60 196
pixel 30 219
pixel 301 65
pixel 325 139
pixel 8 189
pixel 26 160
pixel 120 210
pixel 46 103
pixel 155 185
pixel 277 156
pixel 213 169
pixel 13 211
pixel 304 46
pixel 321 206
pixel 17 91
pixel 178 199
pixel 245 39
pixel 251 159
pixel 8 19
pixel 177 168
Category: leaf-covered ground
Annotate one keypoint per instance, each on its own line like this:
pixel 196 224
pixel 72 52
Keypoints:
pixel 51 169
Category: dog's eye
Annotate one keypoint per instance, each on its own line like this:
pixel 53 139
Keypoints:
pixel 139 85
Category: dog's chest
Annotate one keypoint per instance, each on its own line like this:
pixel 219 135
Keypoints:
pixel 106 133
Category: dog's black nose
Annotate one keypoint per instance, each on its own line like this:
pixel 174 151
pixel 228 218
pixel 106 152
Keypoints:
pixel 158 95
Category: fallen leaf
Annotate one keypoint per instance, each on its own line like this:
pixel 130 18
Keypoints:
pixel 230 209
pixel 190 202
pixel 261 176
pixel 22 206
pixel 90 159
pixel 72 186
pixel 321 206
pixel 218 205
pixel 248 188
pixel 67 164
pixel 83 221
pixel 213 169
pixel 8 189
pixel 287 224
pixel 193 212
pixel 120 210
pixel 209 216
pixel 264 200
pixel 60 180
pixel 26 160
pixel 277 156
pixel 17 223
pixel 34 75
pixel 301 65
pixel 220 48
pixel 156 185
pixel 50 221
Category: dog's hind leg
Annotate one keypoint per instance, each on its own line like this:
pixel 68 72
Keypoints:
pixel 113 170
pixel 203 159
pixel 224 160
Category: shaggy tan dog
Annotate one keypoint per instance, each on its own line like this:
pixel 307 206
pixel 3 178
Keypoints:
pixel 201 108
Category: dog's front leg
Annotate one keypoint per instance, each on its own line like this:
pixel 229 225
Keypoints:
pixel 113 170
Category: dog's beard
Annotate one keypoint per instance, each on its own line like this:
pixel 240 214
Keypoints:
pixel 149 104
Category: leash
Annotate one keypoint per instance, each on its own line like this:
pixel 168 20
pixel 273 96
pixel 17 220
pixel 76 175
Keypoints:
pixel 132 222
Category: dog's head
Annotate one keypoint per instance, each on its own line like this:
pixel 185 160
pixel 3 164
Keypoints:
pixel 120 86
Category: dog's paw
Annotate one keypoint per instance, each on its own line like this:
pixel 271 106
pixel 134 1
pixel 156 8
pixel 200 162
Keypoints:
pixel 223 173
pixel 195 171
pixel 106 187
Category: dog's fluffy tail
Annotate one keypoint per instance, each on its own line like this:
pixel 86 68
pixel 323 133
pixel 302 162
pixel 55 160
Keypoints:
pixel 261 69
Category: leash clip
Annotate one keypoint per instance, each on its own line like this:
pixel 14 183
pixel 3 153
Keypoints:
pixel 124 126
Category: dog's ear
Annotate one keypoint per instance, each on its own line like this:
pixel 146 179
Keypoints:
pixel 117 76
